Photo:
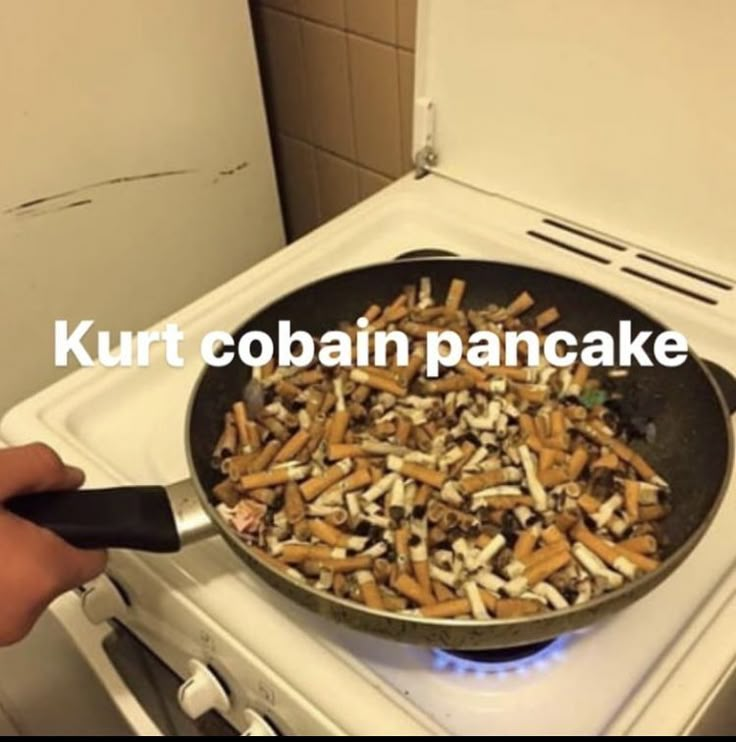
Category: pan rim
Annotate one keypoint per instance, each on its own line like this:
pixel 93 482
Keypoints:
pixel 624 595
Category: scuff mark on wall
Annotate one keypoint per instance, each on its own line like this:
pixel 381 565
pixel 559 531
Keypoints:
pixel 100 184
pixel 31 212
pixel 230 171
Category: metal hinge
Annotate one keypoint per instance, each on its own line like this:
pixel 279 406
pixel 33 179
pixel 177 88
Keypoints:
pixel 425 157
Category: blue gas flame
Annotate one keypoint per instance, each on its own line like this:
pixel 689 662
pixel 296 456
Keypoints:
pixel 538 662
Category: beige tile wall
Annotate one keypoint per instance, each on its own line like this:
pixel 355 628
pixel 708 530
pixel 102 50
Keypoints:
pixel 338 77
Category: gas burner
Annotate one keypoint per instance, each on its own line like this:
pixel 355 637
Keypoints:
pixel 508 661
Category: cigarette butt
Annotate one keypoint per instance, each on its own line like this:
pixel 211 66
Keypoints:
pixel 526 424
pixel 306 378
pixel 292 447
pixel 420 500
pixel 450 383
pixel 369 591
pixel 517 607
pixel 382 569
pixel 424 474
pixel 227 493
pixel 547 458
pixel 377 382
pixel 264 457
pixel 577 462
pixel 509 502
pixel 416 359
pixel 588 503
pixel 580 376
pixel 547 317
pixel 394 603
pixel 436 536
pixel 241 418
pixel 327 533
pixel 337 451
pixel 525 543
pixel 316 485
pixel 273 478
pixel 296 553
pixel 544 553
pixel 646 544
pixel 553 535
pixel 520 304
pixel 272 561
pixel 609 553
pixel 565 521
pixel 337 518
pixel 534 442
pixel 476 482
pixel 553 476
pixel 442 592
pixel 373 312
pixel 301 530
pixel 403 429
pixel 533 393
pixel 293 503
pixel 447 609
pixel 401 545
pixel 340 585
pixel 644 563
pixel 227 443
pixel 542 570
pixel 421 573
pixel 340 421
pixel 631 499
pixel 642 467
pixel 287 390
pixel 490 601
pixel 358 479
pixel 608 461
pixel 652 512
pixel 410 588
pixel 348 564
pixel 557 422
pixel 455 294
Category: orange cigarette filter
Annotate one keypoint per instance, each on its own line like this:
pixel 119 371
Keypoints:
pixel 450 383
pixel 544 553
pixel 293 503
pixel 241 419
pixel 476 482
pixel 287 390
pixel 403 429
pixel 469 370
pixel 533 393
pixel 401 545
pixel 631 499
pixel 345 451
pixel 646 544
pixel 377 382
pixel 588 503
pixel 265 479
pixel 307 378
pixel 410 588
pixel 525 543
pixel 447 609
pixel 547 317
pixel 541 571
pixel 605 551
pixel 407 374
pixel 372 312
pixel 326 533
pixel 369 592
pixel 520 304
pixel 643 469
pixel 357 480
pixel 295 553
pixel 526 424
pixel 517 607
pixel 423 474
pixel 227 492
pixel 509 502
pixel 553 535
pixel 455 294
pixel 652 512
pixel 607 461
pixel 553 476
pixel 292 447
pixel 317 485
pixel 340 420
pixel 421 573
pixel 580 375
pixel 557 422
pixel 442 592
pixel 644 563
pixel 348 564
pixel 264 457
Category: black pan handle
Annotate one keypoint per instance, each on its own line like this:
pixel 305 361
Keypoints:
pixel 145 518
pixel 726 383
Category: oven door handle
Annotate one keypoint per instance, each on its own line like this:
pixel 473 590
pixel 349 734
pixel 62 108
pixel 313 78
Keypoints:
pixel 88 638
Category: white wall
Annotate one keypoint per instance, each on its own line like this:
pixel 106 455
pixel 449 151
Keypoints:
pixel 93 92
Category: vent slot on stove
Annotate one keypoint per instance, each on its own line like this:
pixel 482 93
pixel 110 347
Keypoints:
pixel 684 271
pixel 565 246
pixel 585 235
pixel 671 286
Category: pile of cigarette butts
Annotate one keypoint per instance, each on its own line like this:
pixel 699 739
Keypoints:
pixel 487 493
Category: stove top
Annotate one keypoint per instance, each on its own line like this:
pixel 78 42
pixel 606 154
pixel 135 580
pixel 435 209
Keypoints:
pixel 128 425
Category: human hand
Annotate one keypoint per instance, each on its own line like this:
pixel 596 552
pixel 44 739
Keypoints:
pixel 36 565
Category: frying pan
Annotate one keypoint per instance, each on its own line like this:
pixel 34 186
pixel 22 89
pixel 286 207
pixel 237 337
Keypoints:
pixel 692 449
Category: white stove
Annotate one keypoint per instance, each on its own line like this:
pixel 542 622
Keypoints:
pixel 654 667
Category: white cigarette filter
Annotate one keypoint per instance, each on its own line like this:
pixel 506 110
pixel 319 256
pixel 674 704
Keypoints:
pixel 595 566
pixel 536 490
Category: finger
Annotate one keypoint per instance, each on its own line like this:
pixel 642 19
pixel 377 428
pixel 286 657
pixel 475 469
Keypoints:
pixel 35 468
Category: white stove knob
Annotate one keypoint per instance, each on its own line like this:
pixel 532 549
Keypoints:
pixel 102 600
pixel 202 692
pixel 257 725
